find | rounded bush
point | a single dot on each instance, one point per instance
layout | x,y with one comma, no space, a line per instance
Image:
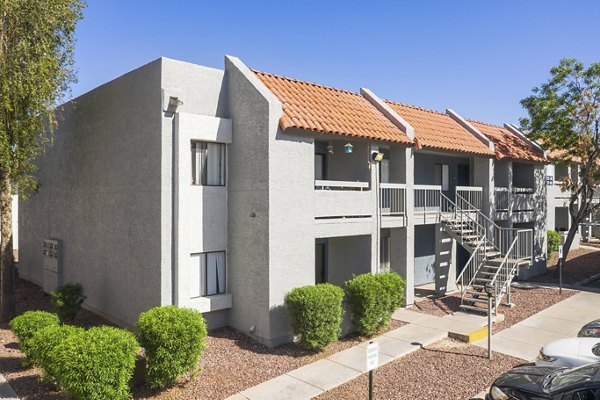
43,347
96,364
173,338
394,285
553,241
374,297
68,300
28,324
316,314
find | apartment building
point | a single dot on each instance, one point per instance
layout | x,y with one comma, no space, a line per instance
222,190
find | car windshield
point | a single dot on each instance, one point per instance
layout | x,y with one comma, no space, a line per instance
562,379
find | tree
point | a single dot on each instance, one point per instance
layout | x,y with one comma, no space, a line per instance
564,116
36,69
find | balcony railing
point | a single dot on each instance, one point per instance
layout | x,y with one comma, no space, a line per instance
341,185
339,199
472,194
427,198
501,198
523,199
392,201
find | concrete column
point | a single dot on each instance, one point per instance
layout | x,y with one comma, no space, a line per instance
540,205
483,175
511,198
376,225
403,239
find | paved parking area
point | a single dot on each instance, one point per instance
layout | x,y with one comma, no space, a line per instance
562,320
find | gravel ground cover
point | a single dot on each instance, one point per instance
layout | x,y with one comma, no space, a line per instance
527,302
580,264
231,362
447,370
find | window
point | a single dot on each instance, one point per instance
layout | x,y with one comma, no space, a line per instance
208,274
208,164
321,248
385,251
320,166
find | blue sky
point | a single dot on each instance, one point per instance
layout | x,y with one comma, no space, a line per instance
477,57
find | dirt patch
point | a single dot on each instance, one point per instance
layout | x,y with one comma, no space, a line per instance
527,302
448,370
231,362
580,264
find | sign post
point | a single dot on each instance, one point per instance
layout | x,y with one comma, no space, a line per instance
372,363
560,268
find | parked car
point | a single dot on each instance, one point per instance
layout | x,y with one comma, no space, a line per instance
536,383
591,329
572,352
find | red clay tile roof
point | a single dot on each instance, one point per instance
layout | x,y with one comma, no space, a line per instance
328,110
507,144
436,130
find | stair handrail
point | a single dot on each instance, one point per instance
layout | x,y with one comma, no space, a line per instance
513,231
468,267
443,197
500,286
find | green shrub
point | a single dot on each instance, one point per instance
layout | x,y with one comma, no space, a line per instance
96,364
373,299
28,324
68,300
43,347
316,313
553,241
394,285
173,338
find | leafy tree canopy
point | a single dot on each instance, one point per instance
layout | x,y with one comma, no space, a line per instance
36,69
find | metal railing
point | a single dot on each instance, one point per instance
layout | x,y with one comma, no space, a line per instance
341,185
501,198
427,198
473,265
473,194
504,274
523,190
392,200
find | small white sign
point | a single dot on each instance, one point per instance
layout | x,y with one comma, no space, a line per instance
372,356
560,251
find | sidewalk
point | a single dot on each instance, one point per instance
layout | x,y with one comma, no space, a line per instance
6,392
562,320
313,379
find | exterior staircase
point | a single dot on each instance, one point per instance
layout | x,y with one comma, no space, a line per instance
496,253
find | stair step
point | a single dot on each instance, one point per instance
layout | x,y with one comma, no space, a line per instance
476,300
482,280
473,308
487,273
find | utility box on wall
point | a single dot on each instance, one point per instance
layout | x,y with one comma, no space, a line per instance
52,256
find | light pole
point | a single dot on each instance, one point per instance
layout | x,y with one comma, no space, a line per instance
489,289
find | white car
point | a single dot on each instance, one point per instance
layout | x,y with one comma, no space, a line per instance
572,352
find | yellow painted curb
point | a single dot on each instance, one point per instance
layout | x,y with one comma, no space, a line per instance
477,335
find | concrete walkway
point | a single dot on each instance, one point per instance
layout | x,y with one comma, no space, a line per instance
6,392
313,379
562,320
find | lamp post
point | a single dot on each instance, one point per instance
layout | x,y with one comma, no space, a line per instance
489,290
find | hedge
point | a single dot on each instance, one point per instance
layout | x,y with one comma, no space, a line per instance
174,340
374,297
43,347
68,300
316,314
553,241
96,364
28,324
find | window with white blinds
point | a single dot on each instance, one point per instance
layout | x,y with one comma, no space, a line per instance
208,163
208,274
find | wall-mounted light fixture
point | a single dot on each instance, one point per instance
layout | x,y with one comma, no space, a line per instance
348,148
377,156
174,102
330,147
